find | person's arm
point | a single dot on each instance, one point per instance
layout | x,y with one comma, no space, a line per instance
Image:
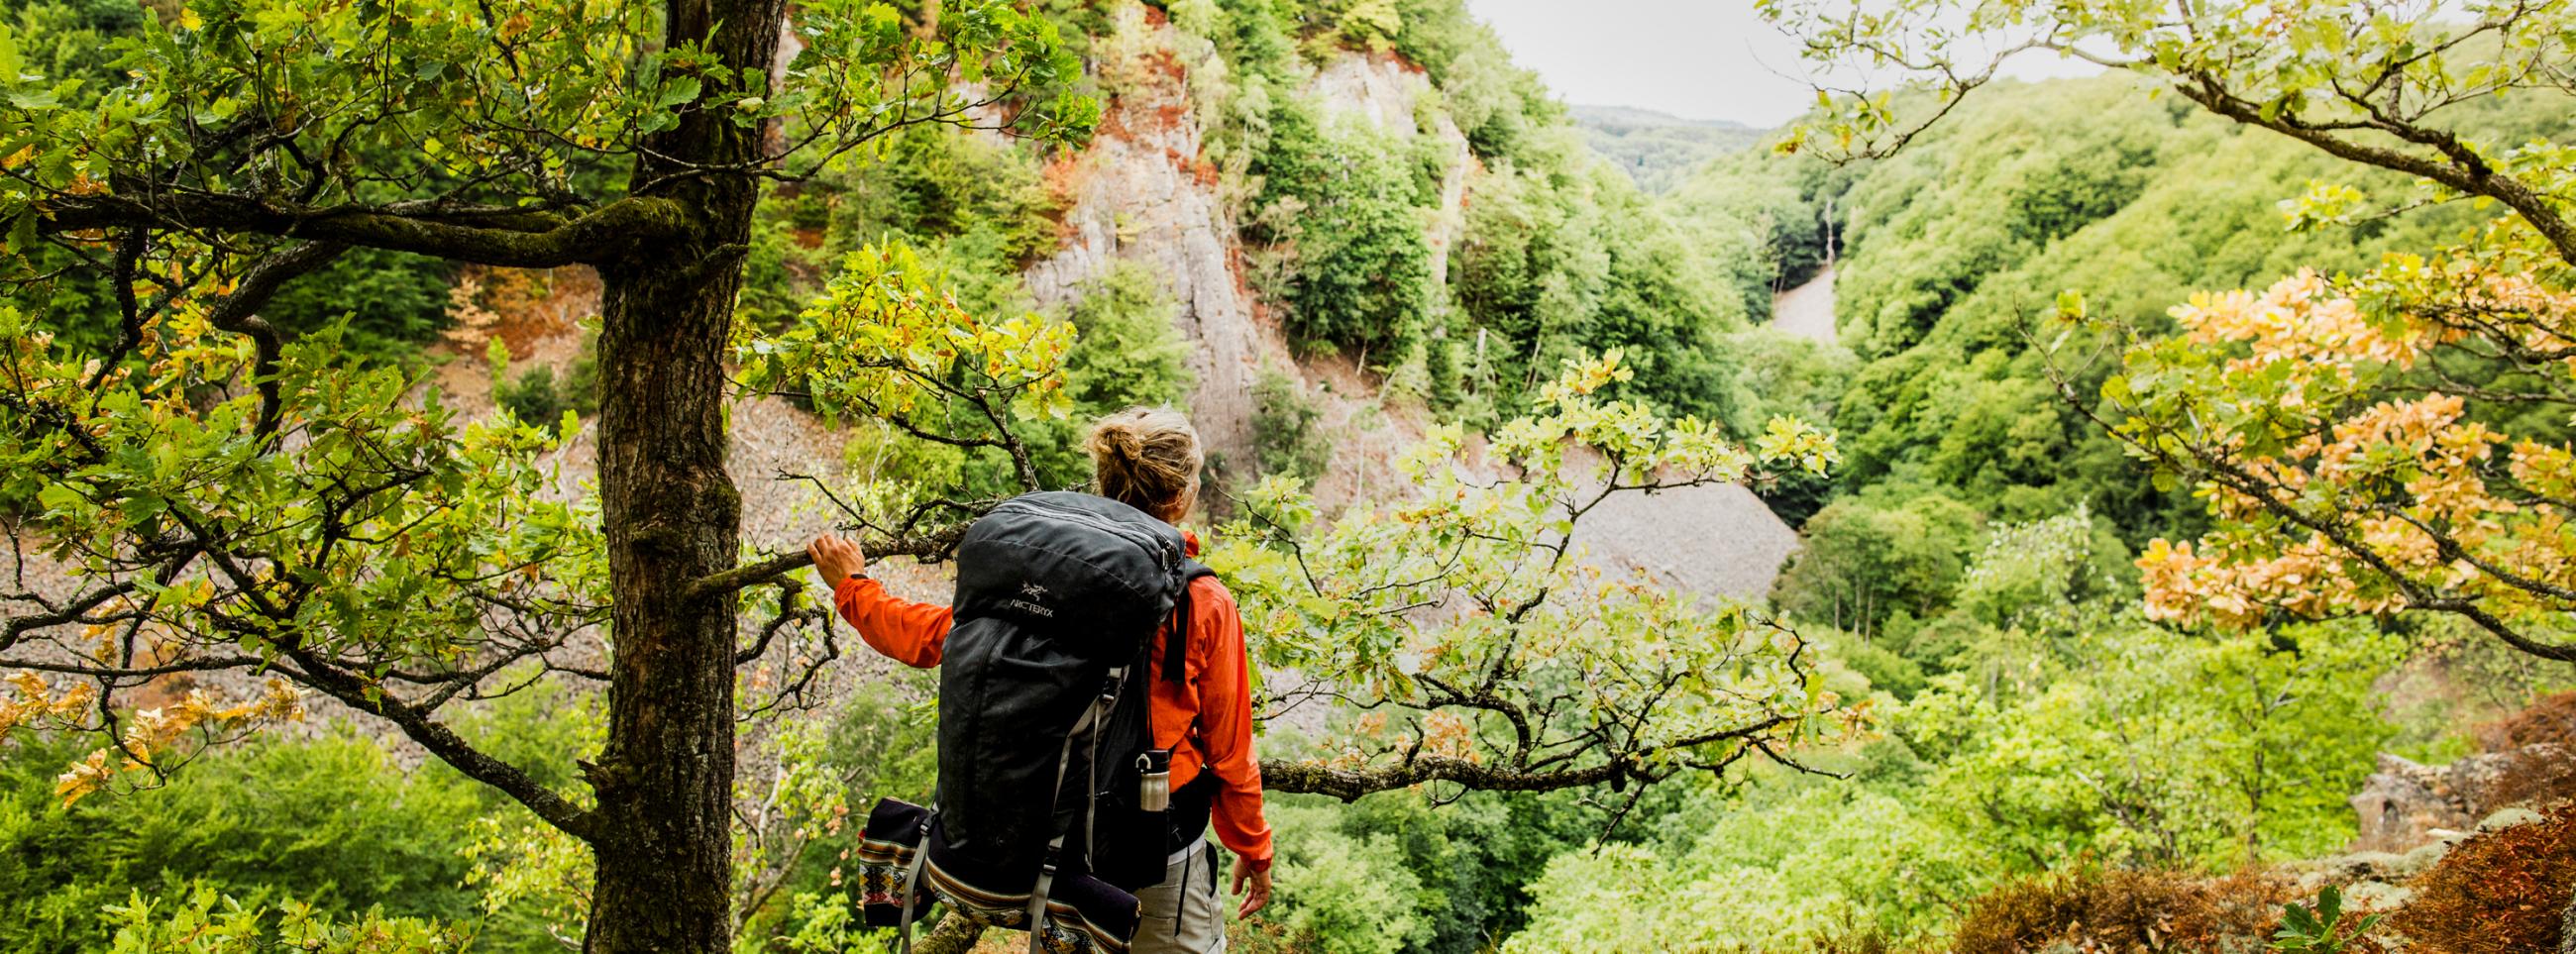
907,632
1225,723
1224,683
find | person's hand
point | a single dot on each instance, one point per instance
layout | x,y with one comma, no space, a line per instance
836,558
1252,881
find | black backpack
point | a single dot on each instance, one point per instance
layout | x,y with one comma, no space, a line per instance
1042,821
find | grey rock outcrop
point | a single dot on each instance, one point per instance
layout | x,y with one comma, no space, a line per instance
1716,541
2401,804
2406,804
1142,193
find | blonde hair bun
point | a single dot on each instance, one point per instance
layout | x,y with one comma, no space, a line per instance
1145,457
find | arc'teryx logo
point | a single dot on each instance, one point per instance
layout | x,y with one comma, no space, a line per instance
1029,593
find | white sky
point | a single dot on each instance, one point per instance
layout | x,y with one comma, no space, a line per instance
1702,59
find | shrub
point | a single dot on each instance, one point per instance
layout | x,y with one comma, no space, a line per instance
538,396
2549,719
1775,863
532,397
2092,908
2501,892
393,303
1127,352
1346,893
332,821
2534,776
1884,668
199,920
1284,429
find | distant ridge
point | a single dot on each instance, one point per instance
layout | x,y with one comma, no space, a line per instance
1658,149
1638,117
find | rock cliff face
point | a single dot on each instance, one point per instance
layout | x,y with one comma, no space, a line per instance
1714,541
1142,193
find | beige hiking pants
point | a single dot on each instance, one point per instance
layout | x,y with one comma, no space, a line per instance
1181,915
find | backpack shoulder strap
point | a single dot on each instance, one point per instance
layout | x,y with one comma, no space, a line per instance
1176,638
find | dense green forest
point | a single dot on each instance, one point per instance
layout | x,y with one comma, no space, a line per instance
2004,734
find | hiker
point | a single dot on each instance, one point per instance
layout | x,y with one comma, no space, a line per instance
1148,459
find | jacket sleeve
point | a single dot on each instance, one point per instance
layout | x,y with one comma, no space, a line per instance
907,632
1225,722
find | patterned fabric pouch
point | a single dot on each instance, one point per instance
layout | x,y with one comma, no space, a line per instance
1083,914
888,846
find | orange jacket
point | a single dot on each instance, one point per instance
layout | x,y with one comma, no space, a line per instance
1206,719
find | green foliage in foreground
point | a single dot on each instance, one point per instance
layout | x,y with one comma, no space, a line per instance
393,304
200,921
331,822
336,822
1126,353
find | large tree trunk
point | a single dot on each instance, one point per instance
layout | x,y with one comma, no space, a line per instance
662,836
663,839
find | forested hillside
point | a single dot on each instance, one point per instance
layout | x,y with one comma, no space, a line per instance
1976,542
409,464
1659,150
